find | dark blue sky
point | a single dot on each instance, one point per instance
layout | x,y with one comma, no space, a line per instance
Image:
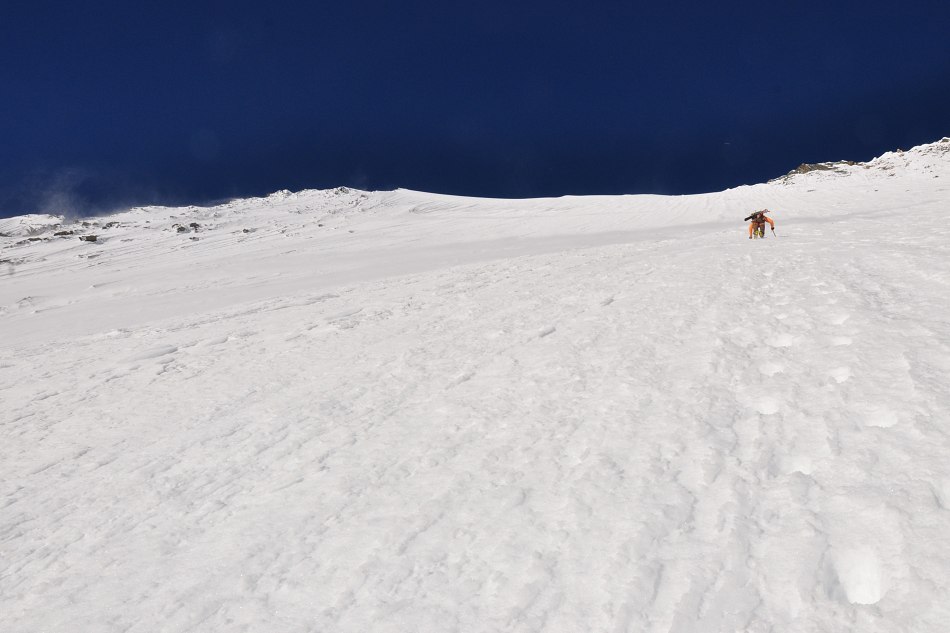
111,103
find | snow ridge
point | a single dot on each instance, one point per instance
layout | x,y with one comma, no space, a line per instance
927,160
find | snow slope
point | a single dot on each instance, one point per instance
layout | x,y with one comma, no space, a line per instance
398,411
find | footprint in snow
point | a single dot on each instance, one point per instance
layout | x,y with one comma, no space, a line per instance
766,405
941,492
879,416
788,464
782,340
770,369
838,319
860,574
840,374
461,378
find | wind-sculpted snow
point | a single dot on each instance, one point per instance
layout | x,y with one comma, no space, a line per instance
607,414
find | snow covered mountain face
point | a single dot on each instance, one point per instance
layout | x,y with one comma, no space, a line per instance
398,411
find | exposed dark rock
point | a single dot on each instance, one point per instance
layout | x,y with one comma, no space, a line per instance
63,233
89,238
804,168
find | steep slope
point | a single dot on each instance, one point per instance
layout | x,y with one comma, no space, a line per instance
580,414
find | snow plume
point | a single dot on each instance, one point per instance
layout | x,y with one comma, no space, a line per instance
64,194
75,192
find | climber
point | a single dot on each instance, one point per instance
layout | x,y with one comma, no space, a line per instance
757,223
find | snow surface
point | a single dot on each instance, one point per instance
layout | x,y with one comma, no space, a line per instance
398,411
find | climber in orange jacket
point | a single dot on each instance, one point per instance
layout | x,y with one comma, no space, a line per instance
757,224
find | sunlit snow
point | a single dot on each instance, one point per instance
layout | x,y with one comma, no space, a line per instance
398,411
